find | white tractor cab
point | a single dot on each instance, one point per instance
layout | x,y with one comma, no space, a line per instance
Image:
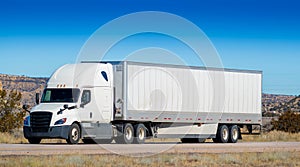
77,96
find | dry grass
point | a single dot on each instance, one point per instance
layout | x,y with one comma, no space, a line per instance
16,137
236,159
273,136
13,138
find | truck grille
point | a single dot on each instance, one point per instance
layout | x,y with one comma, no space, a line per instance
40,121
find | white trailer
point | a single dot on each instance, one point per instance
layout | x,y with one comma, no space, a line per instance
130,101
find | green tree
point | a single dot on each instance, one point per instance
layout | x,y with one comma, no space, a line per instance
11,114
288,122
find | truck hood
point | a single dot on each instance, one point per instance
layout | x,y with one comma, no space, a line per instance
51,107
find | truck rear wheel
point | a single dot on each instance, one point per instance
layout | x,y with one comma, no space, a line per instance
140,134
127,135
74,134
233,134
222,134
34,140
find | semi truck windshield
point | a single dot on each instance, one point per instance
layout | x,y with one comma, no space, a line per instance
60,96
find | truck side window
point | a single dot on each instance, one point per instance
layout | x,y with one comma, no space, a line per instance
86,97
104,75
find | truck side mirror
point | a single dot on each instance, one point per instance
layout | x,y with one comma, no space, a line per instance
37,98
82,105
66,106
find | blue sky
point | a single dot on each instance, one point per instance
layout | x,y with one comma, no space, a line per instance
36,37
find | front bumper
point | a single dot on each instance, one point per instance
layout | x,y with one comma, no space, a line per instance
52,132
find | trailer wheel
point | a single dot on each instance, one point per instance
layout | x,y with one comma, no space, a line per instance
127,136
140,134
74,134
222,134
233,134
34,140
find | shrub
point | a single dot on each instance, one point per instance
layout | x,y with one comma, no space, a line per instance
288,122
11,114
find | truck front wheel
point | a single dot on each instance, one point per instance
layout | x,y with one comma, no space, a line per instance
34,140
74,134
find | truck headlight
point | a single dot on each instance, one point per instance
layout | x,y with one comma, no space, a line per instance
27,121
60,121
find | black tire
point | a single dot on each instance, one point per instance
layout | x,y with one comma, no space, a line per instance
34,140
140,133
74,134
126,136
233,134
222,134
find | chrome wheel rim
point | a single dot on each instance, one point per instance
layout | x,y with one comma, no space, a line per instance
141,133
225,134
128,134
75,134
234,134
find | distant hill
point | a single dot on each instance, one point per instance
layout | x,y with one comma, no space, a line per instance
28,86
273,105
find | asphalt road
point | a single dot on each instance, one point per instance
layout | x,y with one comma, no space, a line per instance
147,149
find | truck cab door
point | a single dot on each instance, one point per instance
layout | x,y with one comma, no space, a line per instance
85,111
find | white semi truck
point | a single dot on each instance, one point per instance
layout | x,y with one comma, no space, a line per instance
131,101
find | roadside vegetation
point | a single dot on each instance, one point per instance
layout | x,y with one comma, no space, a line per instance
190,160
273,136
11,114
288,122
